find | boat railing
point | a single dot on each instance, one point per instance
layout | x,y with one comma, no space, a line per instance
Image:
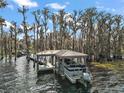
82,66
75,68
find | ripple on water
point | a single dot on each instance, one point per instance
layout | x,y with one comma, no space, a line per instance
42,87
22,77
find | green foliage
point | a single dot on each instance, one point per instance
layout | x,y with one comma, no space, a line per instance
3,3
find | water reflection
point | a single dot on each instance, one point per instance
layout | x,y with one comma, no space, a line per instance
21,77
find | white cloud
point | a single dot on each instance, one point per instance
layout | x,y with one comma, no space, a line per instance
68,18
20,36
56,6
113,10
49,31
28,3
110,10
67,3
21,26
119,11
101,6
8,24
10,7
50,21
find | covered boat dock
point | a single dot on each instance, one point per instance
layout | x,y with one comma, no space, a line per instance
63,62
56,55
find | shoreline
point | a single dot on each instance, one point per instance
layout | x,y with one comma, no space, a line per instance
108,76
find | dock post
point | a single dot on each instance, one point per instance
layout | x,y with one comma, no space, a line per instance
55,63
37,66
34,64
52,59
56,68
37,62
62,67
58,65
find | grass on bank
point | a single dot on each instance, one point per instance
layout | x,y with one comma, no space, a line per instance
114,66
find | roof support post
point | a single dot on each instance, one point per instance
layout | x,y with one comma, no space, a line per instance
62,66
37,62
52,59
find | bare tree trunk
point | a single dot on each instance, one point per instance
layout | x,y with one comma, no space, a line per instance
23,12
34,40
15,43
1,42
9,49
5,48
37,39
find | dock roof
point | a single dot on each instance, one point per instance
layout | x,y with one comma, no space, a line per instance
61,53
48,52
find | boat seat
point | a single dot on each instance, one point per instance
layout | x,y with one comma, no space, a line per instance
82,66
84,70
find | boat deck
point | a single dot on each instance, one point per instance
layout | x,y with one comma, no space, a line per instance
48,66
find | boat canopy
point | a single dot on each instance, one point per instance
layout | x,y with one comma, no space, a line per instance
70,54
62,53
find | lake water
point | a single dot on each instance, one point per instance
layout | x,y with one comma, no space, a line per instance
21,77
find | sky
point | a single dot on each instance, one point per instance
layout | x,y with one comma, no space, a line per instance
10,13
